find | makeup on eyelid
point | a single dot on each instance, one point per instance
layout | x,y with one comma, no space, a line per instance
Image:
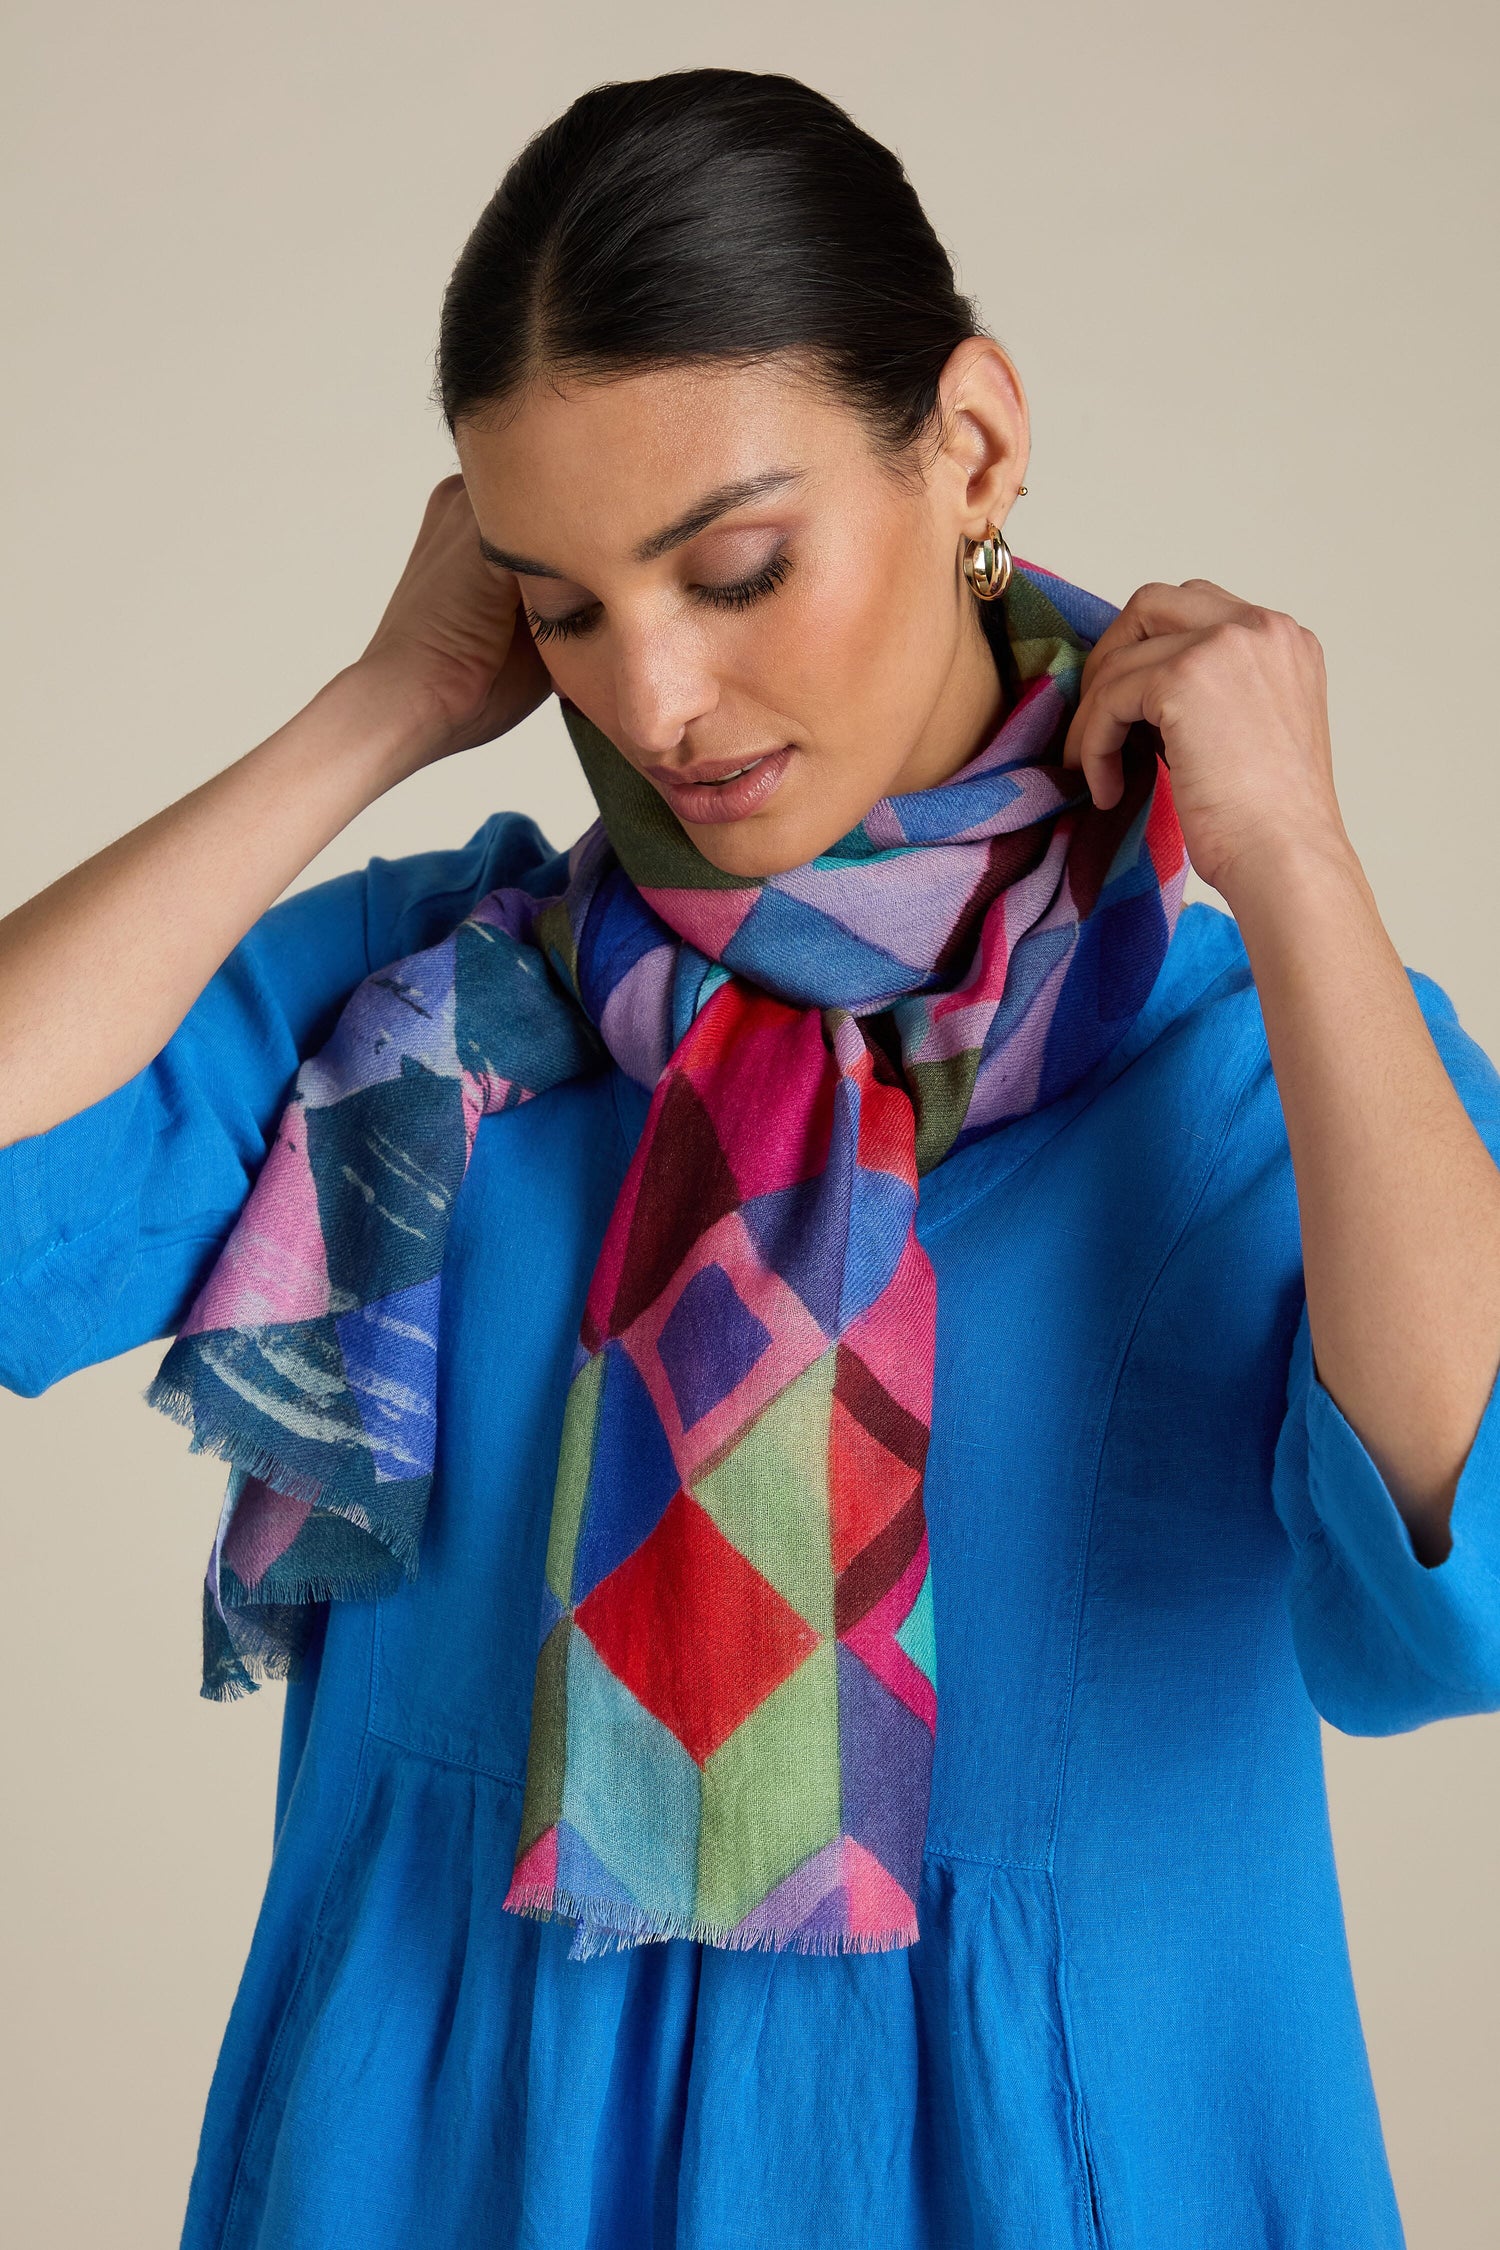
731,594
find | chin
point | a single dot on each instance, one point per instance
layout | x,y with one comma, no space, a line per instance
780,838
756,849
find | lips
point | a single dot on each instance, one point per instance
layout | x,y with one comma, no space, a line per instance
716,789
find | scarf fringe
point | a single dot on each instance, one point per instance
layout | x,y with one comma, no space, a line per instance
235,1678
367,1587
222,1442
241,1649
606,1926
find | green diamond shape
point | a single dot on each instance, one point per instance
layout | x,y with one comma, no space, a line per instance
769,1496
771,1792
575,1458
549,1727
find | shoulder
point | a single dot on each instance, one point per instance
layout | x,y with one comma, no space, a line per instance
1202,1038
390,908
1206,993
1200,1032
281,988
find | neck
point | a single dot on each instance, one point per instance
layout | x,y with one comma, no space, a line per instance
967,712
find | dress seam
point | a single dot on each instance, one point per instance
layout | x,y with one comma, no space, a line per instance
951,1853
33,1270
440,1758
57,1245
1082,2149
1078,2112
1085,1533
933,1850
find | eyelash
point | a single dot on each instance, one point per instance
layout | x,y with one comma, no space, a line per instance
738,596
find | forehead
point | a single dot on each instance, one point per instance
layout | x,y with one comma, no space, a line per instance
631,451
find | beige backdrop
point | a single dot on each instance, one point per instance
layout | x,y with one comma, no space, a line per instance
1243,257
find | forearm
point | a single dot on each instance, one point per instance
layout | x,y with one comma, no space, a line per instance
1399,1200
98,970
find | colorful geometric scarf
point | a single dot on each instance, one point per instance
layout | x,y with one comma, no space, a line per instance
736,1687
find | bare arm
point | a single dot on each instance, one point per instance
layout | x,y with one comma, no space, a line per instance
99,969
1397,1195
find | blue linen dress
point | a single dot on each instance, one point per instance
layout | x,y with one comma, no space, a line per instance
1159,1552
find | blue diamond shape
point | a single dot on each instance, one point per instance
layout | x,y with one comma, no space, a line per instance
709,1343
633,1474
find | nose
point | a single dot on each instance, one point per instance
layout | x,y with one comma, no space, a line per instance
662,686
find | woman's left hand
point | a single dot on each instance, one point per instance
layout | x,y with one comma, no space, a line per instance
1398,1197
1240,697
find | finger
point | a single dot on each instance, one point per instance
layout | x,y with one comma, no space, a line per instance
1125,689
1157,608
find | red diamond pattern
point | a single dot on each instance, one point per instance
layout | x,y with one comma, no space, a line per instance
693,1629
867,1485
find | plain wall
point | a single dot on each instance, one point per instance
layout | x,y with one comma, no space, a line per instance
1244,260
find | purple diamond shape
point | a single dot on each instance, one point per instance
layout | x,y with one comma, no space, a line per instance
709,1342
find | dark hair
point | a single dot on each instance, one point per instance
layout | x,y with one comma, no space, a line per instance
705,215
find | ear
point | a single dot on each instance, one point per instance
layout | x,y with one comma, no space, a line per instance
986,440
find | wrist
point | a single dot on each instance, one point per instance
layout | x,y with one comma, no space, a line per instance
1304,908
386,724
1272,869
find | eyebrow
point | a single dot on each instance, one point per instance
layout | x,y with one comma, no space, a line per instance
676,534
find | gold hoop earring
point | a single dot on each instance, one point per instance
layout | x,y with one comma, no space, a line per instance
987,564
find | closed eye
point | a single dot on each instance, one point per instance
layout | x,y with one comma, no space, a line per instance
740,595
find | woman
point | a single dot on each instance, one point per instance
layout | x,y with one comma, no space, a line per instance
767,1360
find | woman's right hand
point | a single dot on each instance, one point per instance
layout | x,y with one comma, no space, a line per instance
453,644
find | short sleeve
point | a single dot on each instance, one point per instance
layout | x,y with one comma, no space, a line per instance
110,1221
1384,1641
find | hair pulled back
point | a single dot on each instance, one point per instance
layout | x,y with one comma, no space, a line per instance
705,215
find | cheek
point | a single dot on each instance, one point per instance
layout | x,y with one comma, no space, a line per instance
573,672
838,646
868,649
583,673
